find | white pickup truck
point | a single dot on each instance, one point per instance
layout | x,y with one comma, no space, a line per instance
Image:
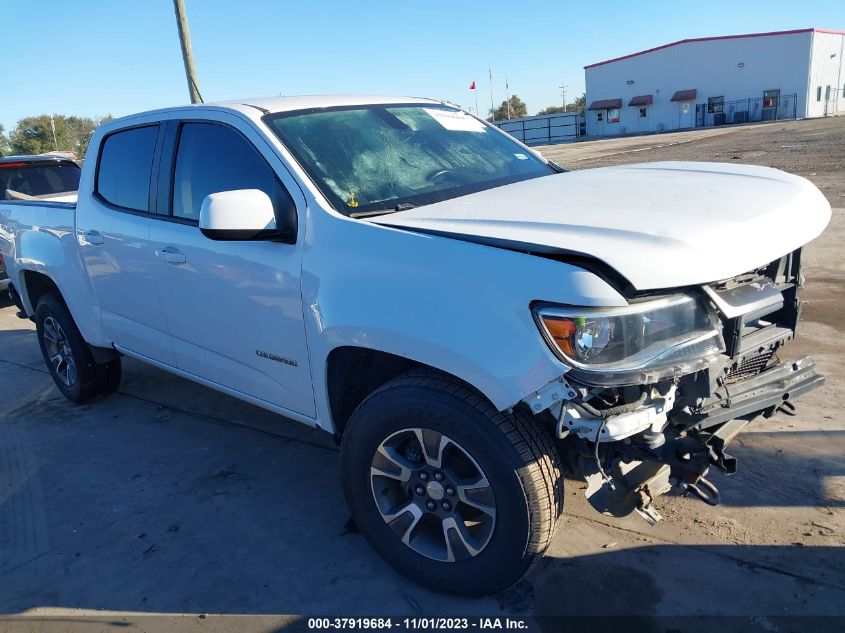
467,318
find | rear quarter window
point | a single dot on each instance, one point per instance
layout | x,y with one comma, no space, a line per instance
125,167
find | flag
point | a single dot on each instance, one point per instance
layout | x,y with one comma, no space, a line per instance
506,83
472,85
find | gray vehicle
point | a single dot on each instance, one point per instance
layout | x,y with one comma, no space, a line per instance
37,177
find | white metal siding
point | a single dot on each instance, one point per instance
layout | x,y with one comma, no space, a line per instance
826,70
769,62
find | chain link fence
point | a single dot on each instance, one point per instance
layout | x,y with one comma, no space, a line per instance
771,108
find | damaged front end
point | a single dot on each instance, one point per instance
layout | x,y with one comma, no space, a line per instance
658,390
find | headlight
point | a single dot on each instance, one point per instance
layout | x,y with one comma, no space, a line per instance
668,332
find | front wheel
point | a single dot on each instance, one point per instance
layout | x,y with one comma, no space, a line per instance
451,492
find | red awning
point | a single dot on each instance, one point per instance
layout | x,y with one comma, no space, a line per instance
685,95
642,100
606,104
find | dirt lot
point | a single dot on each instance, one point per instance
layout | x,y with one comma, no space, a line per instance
168,497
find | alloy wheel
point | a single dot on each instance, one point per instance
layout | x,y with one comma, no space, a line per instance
433,494
59,352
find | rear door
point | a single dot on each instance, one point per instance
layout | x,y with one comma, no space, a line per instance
113,231
234,309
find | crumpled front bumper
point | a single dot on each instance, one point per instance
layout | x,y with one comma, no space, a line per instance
696,441
764,393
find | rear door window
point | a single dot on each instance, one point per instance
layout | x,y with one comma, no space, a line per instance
125,167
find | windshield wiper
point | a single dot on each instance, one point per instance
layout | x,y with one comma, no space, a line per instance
405,206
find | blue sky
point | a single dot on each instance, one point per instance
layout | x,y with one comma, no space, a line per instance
94,57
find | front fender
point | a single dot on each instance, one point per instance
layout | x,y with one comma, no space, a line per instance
459,307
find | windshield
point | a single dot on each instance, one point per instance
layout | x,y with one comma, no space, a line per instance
378,158
23,180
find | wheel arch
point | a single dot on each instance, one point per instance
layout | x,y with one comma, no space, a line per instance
33,285
353,373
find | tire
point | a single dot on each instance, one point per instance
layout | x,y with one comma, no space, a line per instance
508,524
68,357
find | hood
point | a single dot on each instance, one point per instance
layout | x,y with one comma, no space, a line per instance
659,225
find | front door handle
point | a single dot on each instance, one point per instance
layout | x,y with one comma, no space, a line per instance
171,255
92,238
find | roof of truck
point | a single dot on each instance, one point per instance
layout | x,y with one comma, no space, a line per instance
307,102
257,107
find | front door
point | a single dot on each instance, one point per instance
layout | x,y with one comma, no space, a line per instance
234,309
113,232
685,115
771,102
642,113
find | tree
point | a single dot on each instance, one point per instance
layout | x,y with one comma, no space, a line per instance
81,129
517,109
579,106
4,142
34,135
553,110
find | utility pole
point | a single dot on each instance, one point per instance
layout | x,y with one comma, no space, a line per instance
563,95
53,126
187,51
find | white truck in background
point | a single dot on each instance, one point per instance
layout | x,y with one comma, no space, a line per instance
464,316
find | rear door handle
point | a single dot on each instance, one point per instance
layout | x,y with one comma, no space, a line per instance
92,238
171,255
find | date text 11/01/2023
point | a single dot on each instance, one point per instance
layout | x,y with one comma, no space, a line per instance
413,624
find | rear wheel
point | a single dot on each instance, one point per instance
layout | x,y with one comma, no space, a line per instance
451,492
68,357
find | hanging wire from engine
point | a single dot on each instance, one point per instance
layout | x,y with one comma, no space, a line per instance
606,479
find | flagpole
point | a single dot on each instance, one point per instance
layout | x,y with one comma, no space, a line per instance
492,107
475,90
507,98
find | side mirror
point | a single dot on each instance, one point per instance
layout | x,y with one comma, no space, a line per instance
239,215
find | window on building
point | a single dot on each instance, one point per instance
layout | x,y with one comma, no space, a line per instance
771,98
613,115
599,115
818,93
643,112
827,93
126,161
715,105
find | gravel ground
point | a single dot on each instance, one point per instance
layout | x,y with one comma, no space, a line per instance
813,148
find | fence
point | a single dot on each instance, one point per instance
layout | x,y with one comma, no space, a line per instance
834,102
544,129
746,110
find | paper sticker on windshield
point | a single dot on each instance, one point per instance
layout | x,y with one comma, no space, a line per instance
455,121
521,156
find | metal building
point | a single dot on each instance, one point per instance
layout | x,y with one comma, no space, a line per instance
718,80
